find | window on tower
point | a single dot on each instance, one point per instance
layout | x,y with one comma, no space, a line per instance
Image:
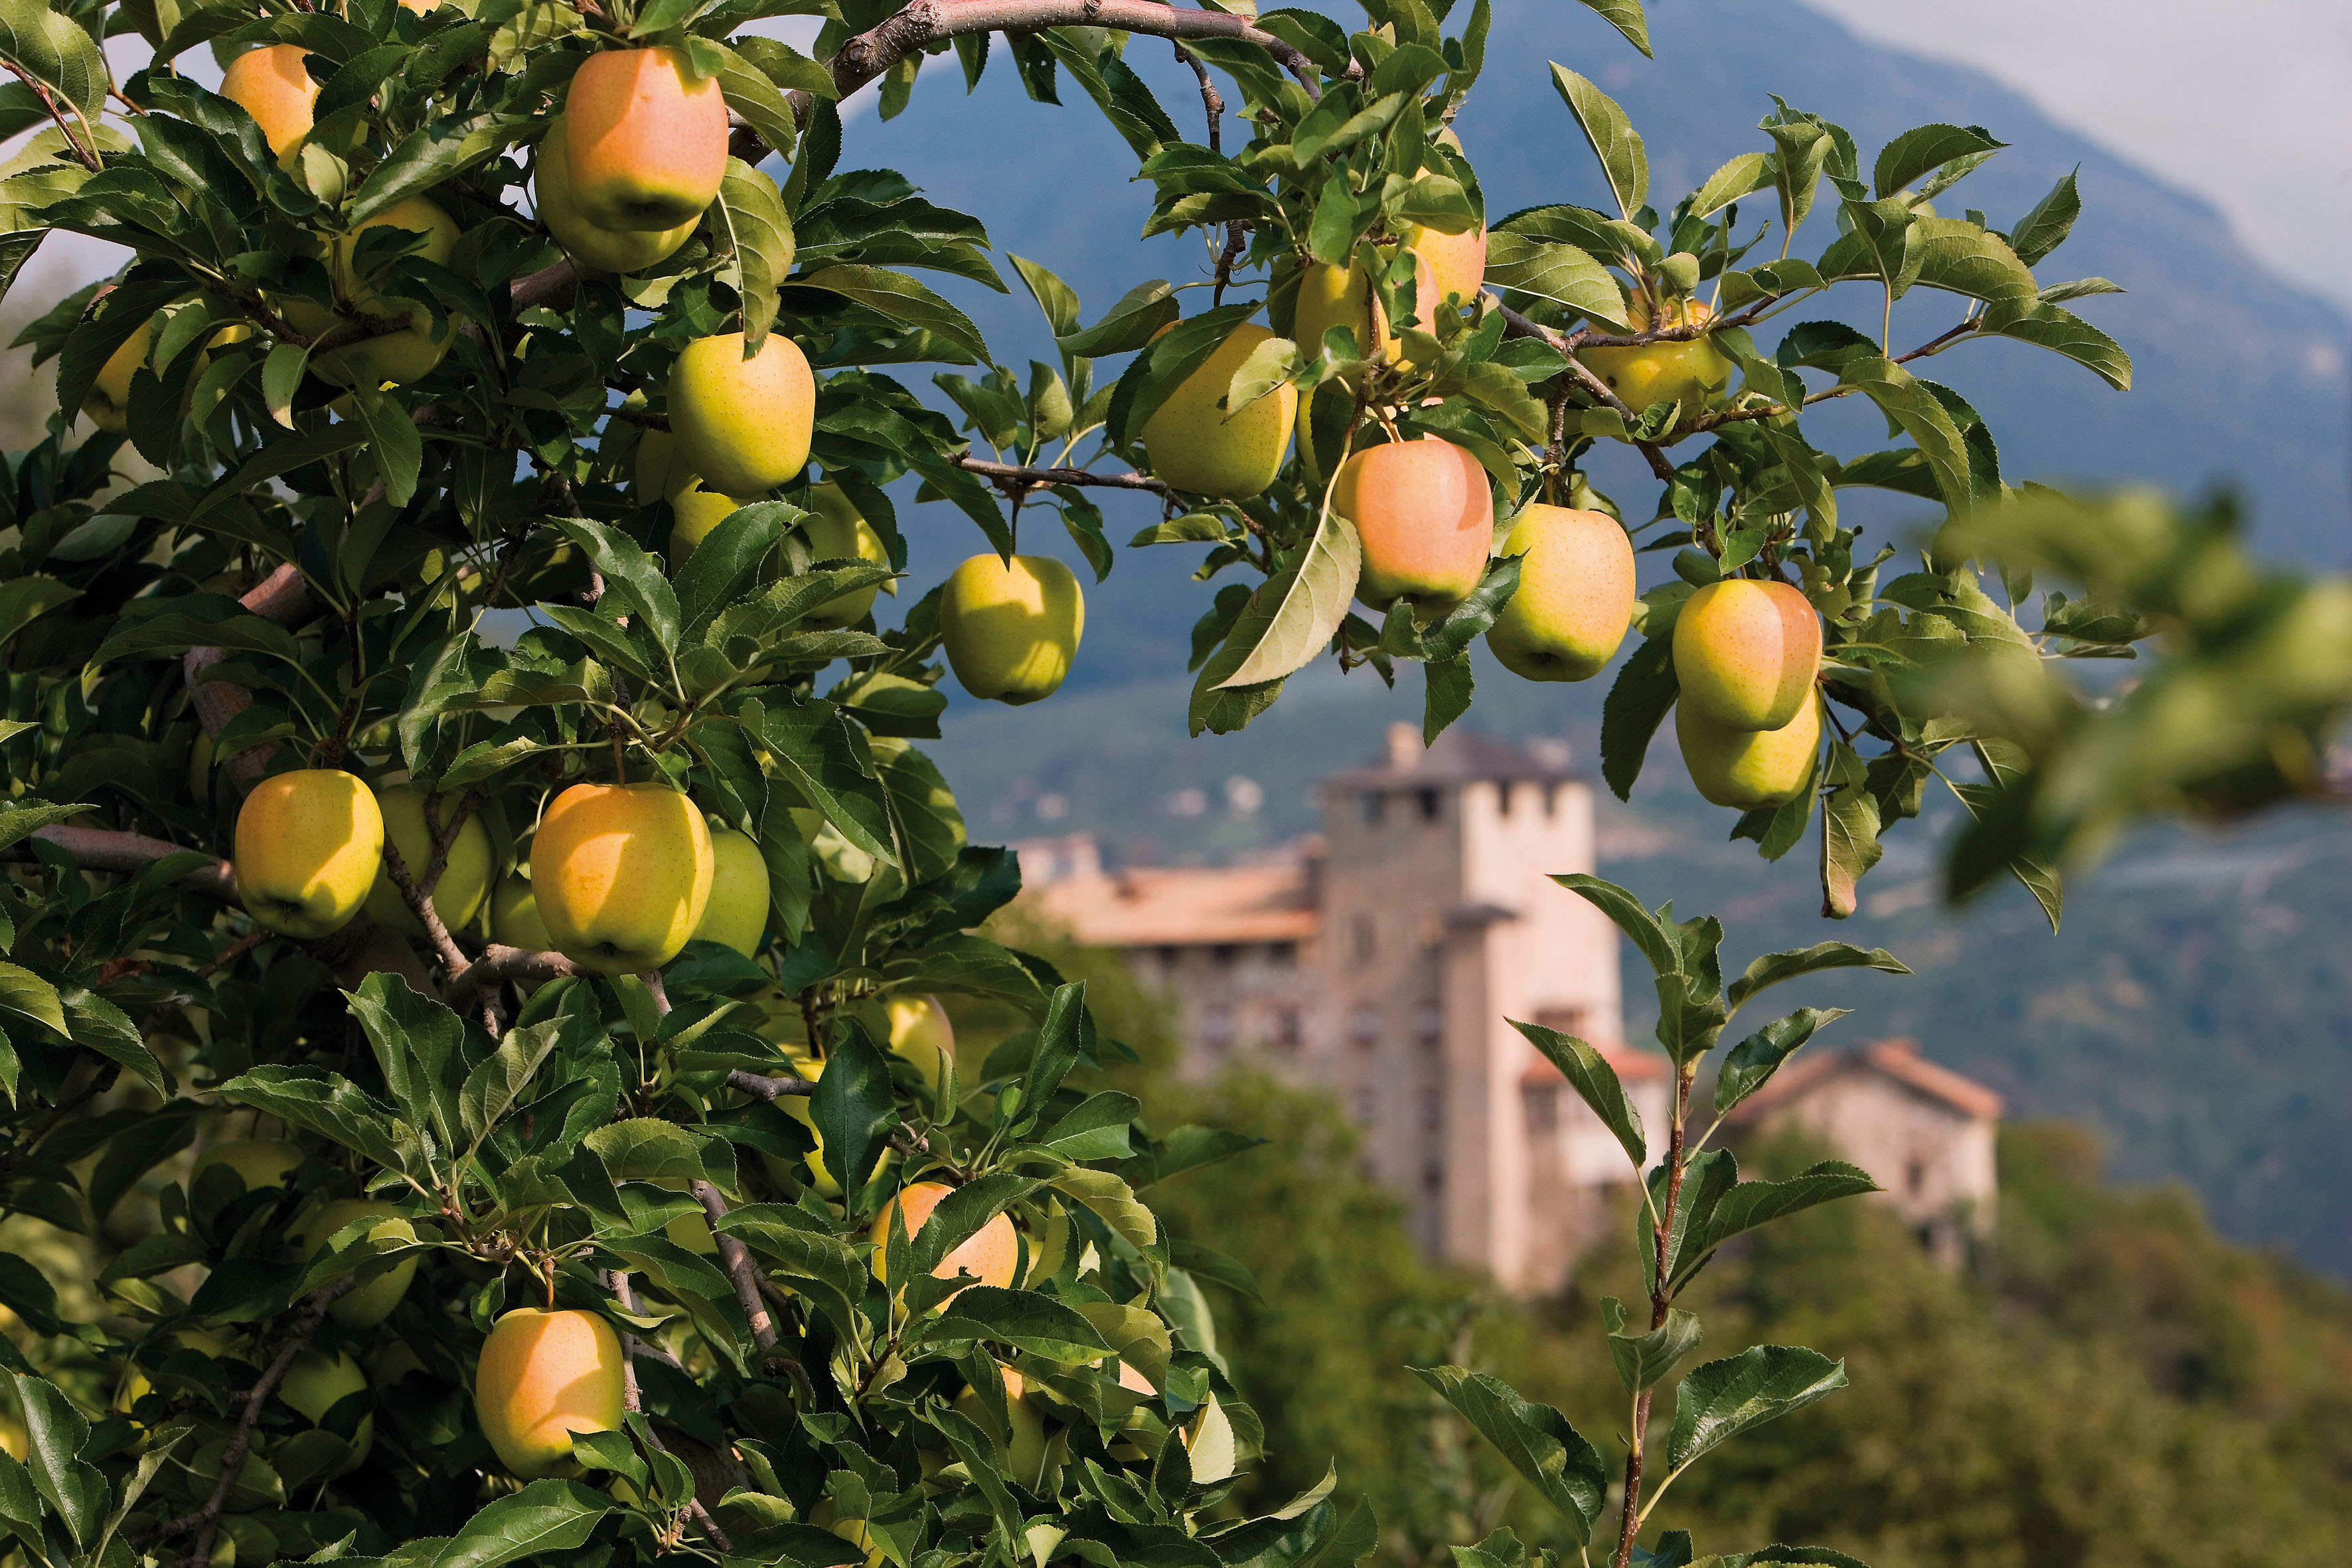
1289,1030
1364,938
1542,1103
1371,807
1430,803
1364,1025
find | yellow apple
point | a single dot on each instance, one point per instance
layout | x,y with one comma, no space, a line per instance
309,846
457,896
542,1376
650,464
837,531
372,1303
1575,596
1745,653
109,401
607,249
694,513
1424,513
1695,375
795,1106
1457,265
1011,631
736,913
1195,443
270,84
920,1032
514,916
645,140
621,874
742,425
1747,769
1332,296
316,1384
990,1256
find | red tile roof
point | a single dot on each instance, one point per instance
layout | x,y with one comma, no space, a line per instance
1897,1059
1181,907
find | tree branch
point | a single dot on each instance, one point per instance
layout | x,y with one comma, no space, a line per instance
768,1088
871,53
106,849
617,1280
741,1270
283,597
497,964
1518,326
1012,478
453,957
206,1520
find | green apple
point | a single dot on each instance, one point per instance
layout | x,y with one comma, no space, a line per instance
316,1384
372,1303
1199,446
259,1163
1692,374
837,531
514,916
736,914
465,881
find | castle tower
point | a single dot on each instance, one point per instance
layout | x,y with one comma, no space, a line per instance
1440,922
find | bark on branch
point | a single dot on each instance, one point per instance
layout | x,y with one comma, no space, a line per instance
871,53
1013,477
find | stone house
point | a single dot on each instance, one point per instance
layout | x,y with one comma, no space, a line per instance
1924,1132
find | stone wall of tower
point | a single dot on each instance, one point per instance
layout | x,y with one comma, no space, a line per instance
1440,925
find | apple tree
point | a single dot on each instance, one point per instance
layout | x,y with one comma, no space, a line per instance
473,886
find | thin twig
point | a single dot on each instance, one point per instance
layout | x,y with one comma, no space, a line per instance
452,958
632,1401
106,849
497,964
768,1088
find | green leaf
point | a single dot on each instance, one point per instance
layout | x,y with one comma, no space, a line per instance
1165,363
27,996
903,299
1725,1207
1921,417
2045,228
1747,172
53,48
1754,1061
54,1433
1850,845
25,599
646,1148
545,1516
1637,703
1772,968
173,632
1055,299
1553,270
1803,145
751,92
761,233
328,1104
1965,258
1926,148
1612,137
1022,1319
1649,934
853,1108
1625,15
432,153
1112,1201
1305,607
1535,1439
1643,1360
1595,1083
98,1025
2047,326
1724,1399
631,573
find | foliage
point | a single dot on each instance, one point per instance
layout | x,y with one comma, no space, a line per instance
450,573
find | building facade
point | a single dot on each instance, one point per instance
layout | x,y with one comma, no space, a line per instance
1926,1134
1384,962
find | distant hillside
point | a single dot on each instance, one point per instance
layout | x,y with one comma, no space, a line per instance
2232,382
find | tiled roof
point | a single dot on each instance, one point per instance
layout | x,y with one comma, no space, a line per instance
1181,907
1897,1059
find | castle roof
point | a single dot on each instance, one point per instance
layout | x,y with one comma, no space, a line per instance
1897,1060
1182,906
1458,756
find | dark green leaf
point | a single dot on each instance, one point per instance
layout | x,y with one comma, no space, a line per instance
1724,1399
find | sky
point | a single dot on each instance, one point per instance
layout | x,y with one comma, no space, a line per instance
2247,102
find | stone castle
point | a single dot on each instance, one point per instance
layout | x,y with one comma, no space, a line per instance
1383,959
